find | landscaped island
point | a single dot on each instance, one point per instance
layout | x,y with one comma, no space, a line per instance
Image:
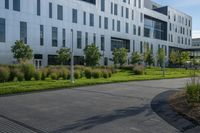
56,77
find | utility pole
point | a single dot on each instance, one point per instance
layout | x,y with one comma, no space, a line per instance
72,57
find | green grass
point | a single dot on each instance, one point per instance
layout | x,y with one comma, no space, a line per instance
121,76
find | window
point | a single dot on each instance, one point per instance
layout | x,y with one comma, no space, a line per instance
7,4
141,17
2,30
134,29
113,24
63,37
38,7
118,26
60,12
79,39
91,19
127,27
111,8
133,15
135,3
115,9
139,31
74,16
122,11
94,38
139,4
141,47
133,45
99,21
105,23
41,35
84,18
50,10
16,5
127,13
54,36
23,32
102,5
86,38
102,42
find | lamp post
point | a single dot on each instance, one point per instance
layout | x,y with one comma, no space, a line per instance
72,57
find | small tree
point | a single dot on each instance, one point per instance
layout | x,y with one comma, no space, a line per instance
92,55
63,55
136,58
173,57
185,56
161,57
120,56
150,58
21,51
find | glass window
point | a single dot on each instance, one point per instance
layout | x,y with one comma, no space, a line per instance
111,8
7,4
99,21
94,38
23,32
134,29
63,37
91,19
141,47
41,35
120,43
79,39
86,38
127,27
127,13
102,5
133,45
74,16
84,18
113,24
106,23
102,42
38,7
115,9
54,36
16,5
50,10
122,11
60,12
118,26
2,30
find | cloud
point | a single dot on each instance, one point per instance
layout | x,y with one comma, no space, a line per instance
196,34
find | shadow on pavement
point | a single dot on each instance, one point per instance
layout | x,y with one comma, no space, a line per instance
97,120
160,105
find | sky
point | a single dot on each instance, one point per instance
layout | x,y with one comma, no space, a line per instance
190,7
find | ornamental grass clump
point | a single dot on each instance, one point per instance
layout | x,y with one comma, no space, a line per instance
4,74
193,90
138,69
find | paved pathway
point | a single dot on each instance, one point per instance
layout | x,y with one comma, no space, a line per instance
133,107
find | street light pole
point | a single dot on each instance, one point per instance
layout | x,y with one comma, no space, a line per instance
72,57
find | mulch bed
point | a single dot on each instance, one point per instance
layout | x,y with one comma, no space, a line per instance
179,103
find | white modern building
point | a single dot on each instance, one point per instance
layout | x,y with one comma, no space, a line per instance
48,25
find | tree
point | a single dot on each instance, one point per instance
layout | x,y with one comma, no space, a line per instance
150,58
21,51
173,57
120,56
63,55
184,57
161,57
136,58
92,55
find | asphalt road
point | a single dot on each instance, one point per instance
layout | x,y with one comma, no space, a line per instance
133,107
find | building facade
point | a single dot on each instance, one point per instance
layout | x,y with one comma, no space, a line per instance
48,25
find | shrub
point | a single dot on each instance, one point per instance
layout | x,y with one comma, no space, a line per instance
65,73
14,69
44,74
96,74
109,74
5,73
28,70
105,74
54,76
37,75
127,67
88,73
77,74
193,91
20,76
138,69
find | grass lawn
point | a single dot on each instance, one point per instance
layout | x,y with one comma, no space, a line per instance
121,76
